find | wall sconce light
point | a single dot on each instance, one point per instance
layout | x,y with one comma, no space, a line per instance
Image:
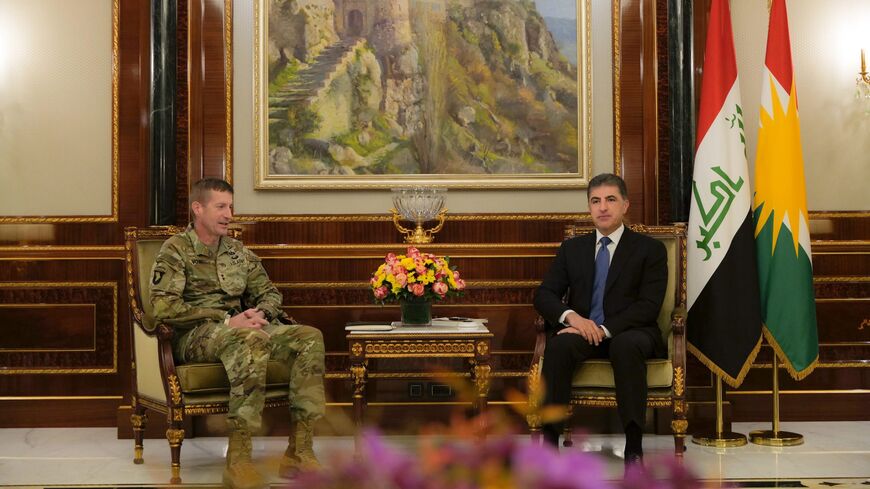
863,85
418,205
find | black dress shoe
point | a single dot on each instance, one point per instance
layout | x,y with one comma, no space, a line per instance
551,435
633,463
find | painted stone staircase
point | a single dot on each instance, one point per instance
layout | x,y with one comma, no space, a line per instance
311,82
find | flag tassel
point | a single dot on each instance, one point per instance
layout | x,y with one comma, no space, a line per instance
775,437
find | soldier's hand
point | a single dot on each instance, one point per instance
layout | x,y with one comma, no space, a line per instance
255,313
586,328
248,319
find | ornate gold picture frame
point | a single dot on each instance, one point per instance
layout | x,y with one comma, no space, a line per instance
366,94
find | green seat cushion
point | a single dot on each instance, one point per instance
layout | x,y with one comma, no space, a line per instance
203,378
599,373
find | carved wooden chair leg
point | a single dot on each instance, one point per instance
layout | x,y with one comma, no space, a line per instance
175,436
679,426
534,422
569,428
139,419
536,395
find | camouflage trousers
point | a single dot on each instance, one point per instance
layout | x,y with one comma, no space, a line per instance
244,352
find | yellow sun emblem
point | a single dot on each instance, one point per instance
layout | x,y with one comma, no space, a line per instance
779,168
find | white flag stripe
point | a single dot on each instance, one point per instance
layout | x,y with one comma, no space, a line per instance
767,97
723,148
804,234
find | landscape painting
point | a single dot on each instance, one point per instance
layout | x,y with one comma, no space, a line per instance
384,93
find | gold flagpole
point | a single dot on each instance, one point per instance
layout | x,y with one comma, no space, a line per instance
719,438
775,437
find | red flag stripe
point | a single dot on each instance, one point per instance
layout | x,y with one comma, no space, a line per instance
720,67
778,60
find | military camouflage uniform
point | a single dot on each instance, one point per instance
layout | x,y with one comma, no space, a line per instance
195,290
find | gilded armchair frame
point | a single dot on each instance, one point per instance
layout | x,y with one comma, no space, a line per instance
156,382
672,319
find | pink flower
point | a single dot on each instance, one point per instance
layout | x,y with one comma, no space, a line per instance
455,275
421,269
374,281
391,258
401,279
417,289
439,288
413,252
460,284
381,292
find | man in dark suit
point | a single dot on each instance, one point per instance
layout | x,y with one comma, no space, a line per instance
615,281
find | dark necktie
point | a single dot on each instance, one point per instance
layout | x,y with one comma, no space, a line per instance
602,263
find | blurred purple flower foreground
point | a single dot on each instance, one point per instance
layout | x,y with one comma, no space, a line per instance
497,462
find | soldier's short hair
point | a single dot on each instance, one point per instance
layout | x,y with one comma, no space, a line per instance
199,191
611,180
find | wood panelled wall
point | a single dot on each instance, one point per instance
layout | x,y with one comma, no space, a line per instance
64,325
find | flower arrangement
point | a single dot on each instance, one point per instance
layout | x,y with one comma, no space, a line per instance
501,462
415,276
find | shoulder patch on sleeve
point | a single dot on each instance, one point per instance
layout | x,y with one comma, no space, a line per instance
159,272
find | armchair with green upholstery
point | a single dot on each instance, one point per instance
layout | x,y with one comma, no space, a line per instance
161,385
593,384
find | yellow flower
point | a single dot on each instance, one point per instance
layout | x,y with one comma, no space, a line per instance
429,277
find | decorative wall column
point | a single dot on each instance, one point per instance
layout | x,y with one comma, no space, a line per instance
162,165
682,110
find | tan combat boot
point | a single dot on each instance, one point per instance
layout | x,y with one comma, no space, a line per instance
240,472
299,456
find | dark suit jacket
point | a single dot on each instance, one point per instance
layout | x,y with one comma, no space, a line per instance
636,284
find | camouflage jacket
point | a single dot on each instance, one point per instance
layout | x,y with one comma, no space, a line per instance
191,285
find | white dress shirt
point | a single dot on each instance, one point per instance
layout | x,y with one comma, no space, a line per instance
615,236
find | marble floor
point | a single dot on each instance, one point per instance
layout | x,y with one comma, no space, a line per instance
835,453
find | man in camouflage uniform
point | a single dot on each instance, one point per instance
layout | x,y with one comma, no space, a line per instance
218,297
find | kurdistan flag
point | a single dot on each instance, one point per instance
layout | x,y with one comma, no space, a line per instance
782,238
724,317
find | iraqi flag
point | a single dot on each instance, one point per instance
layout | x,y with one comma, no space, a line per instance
785,269
724,319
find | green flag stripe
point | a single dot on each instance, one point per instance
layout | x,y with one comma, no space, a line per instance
788,305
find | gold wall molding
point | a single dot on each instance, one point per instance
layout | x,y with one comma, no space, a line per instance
841,279
799,392
52,248
115,49
492,353
228,89
845,364
499,305
380,256
586,82
838,214
616,30
59,398
78,285
839,242
504,284
243,218
368,247
842,299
